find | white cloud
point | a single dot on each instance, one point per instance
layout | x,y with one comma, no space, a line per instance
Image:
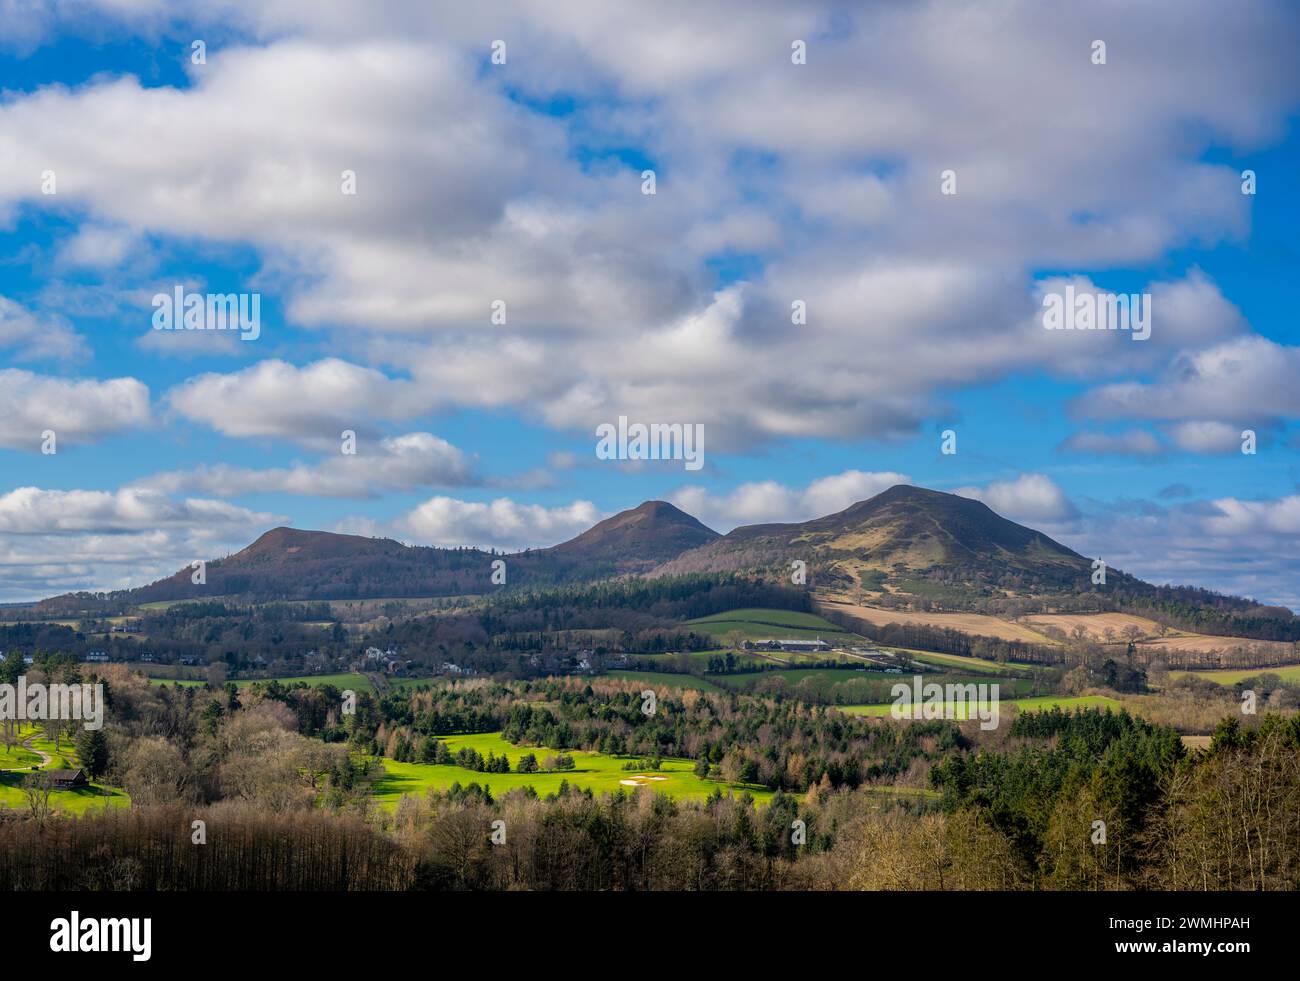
273,398
1229,544
397,463
465,195
97,247
54,541
766,501
29,337
502,523
77,410
1206,437
1030,498
1250,378
1132,442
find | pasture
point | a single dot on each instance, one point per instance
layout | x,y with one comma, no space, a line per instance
1289,673
768,624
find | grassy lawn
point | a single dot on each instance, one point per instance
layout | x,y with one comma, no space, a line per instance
1023,704
77,801
1230,676
17,762
600,774
66,755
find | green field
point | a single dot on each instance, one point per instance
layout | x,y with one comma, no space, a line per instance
1230,676
18,762
77,801
976,664
356,682
850,686
1023,704
664,678
600,774
700,659
766,624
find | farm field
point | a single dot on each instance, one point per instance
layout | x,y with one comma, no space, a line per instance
356,682
963,663
700,659
1177,640
851,687
674,681
1095,623
769,624
1023,704
1205,642
593,771
970,623
1231,676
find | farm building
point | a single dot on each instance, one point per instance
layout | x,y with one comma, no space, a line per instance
793,644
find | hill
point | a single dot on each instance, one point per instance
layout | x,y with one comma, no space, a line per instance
288,563
900,532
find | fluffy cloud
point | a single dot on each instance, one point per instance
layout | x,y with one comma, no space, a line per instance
1250,378
502,523
54,541
273,398
466,195
761,502
77,410
1032,498
398,463
28,337
1206,437
1233,545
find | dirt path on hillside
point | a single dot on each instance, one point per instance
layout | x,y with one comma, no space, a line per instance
46,758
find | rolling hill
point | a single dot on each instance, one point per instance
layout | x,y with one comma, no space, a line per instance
907,552
289,563
903,530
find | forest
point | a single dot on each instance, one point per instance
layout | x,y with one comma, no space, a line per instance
280,778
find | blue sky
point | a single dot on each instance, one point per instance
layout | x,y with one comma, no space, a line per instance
522,182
